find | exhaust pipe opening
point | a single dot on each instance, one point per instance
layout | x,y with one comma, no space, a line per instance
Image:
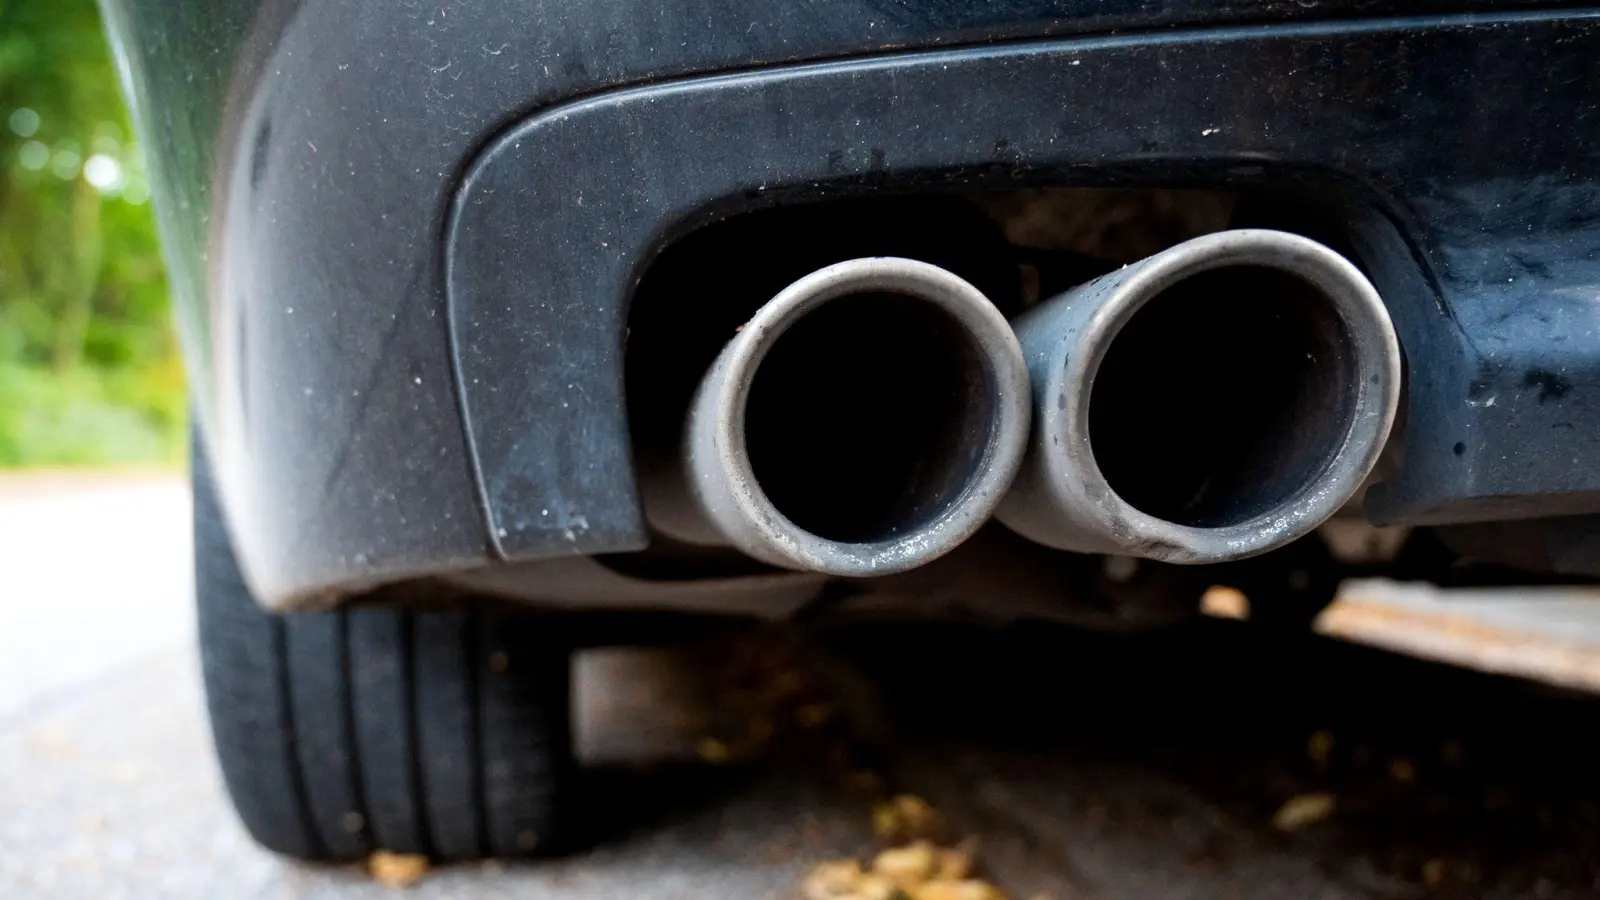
865,421
1209,403
868,417
1223,397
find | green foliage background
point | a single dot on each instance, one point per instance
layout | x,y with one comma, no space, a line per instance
89,369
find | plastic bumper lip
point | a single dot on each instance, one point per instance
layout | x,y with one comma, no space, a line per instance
1399,143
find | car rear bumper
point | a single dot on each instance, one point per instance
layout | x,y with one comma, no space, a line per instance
406,240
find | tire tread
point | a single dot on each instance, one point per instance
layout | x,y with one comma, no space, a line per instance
345,732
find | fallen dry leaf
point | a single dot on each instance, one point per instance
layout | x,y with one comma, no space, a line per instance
1302,810
1225,603
956,863
868,783
969,889
907,866
1402,770
906,817
1320,748
813,715
1433,872
877,887
713,751
833,880
397,870
918,870
846,880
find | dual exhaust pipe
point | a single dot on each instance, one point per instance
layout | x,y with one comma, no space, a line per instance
1209,403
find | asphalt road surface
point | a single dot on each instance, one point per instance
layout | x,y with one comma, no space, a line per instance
1089,766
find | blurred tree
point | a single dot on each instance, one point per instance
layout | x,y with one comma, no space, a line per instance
89,370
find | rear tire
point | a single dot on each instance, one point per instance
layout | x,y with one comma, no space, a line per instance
341,733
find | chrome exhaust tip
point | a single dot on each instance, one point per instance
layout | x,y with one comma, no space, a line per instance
1211,402
866,420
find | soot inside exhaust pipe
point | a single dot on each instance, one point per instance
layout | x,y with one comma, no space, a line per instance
869,416
1199,411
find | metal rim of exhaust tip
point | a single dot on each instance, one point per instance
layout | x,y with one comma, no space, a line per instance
1375,348
992,337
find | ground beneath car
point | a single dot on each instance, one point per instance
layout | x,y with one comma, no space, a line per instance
1217,761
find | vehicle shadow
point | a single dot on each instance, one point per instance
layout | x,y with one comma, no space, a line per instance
1216,759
